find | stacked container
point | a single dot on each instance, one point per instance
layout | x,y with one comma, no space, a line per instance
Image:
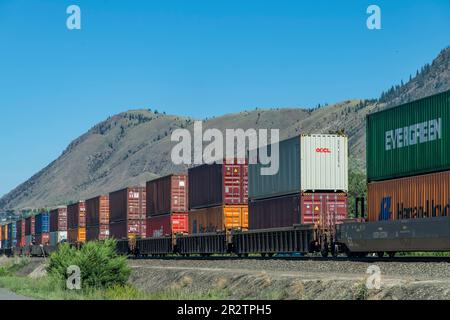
310,186
127,213
97,218
76,222
1,236
5,236
42,228
408,160
20,227
12,235
30,230
167,206
58,225
218,197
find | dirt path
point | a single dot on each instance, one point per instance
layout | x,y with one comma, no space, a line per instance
8,295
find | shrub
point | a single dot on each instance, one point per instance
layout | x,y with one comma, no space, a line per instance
99,263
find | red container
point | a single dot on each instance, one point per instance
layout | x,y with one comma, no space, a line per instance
43,238
127,204
324,209
76,215
29,226
218,184
20,235
167,195
167,225
97,218
58,219
127,229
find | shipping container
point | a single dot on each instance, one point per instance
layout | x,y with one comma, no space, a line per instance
126,204
76,215
221,218
20,227
12,234
307,163
42,238
322,209
408,140
97,218
127,229
76,235
167,195
421,196
57,237
1,232
28,240
58,219
30,226
42,223
218,184
167,225
5,232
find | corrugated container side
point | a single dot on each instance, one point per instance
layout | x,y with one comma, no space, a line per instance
76,235
42,223
76,215
324,163
409,140
57,237
12,234
127,229
58,219
221,218
421,196
43,238
167,195
218,184
97,211
98,232
30,226
167,225
324,209
129,203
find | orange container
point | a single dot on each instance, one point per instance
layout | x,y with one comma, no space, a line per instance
219,218
421,196
76,235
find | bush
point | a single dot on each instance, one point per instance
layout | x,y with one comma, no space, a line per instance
99,263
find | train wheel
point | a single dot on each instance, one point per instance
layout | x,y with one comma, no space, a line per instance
380,254
263,255
271,255
391,254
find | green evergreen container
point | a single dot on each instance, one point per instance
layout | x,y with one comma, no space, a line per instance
410,139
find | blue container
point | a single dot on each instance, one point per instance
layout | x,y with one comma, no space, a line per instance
42,223
5,244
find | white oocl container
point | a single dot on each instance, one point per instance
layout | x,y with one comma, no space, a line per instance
307,163
57,237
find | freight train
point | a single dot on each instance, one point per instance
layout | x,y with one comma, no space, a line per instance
230,208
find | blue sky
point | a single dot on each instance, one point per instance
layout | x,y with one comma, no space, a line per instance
197,58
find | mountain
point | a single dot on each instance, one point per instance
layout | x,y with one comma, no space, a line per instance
135,146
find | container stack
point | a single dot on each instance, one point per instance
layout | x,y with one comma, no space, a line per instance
167,206
97,218
1,236
76,222
12,235
30,230
58,225
310,186
408,160
127,213
218,197
42,226
20,227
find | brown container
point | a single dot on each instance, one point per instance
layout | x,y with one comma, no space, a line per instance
409,198
221,218
43,238
58,219
30,226
97,218
76,215
127,204
127,229
324,209
218,184
167,195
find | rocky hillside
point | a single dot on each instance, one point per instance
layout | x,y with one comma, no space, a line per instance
133,147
